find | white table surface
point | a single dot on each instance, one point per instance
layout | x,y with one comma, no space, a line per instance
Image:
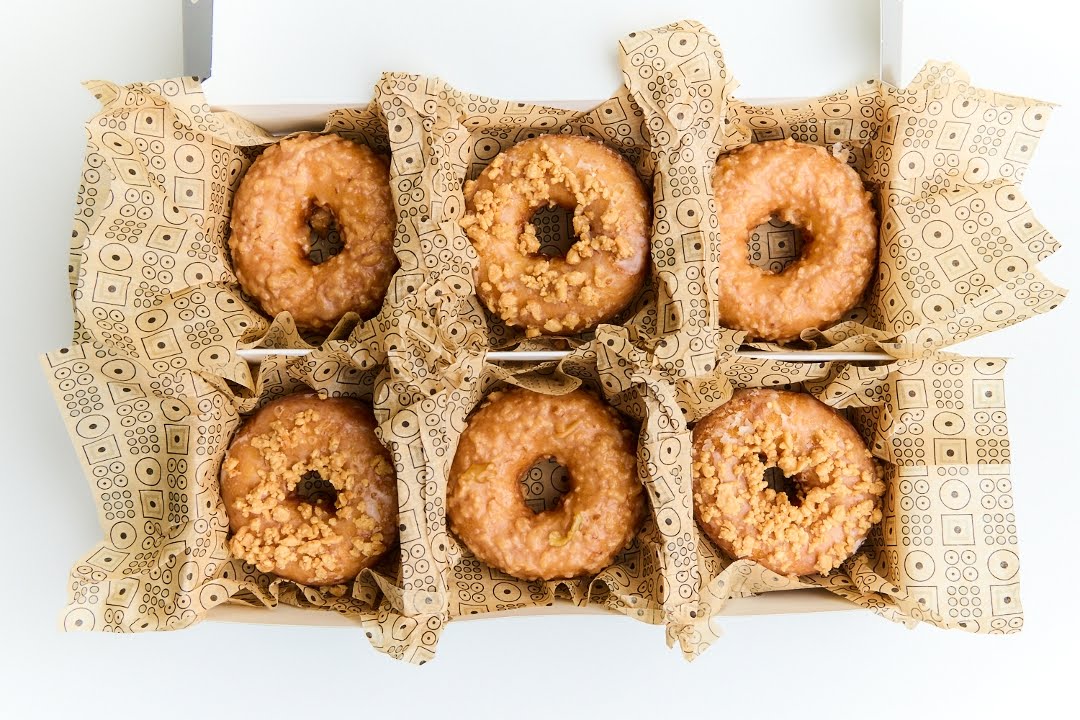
834,665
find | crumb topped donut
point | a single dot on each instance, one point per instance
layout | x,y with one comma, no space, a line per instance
314,541
604,269
837,484
596,519
806,186
314,182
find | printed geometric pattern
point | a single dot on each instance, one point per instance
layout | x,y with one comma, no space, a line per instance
152,387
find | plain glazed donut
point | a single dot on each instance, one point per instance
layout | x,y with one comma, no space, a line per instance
596,519
604,269
806,186
303,183
313,541
837,485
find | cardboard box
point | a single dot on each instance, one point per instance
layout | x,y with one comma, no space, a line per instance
283,117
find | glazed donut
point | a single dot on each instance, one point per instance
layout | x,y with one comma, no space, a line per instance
837,485
596,519
604,269
806,186
314,541
309,182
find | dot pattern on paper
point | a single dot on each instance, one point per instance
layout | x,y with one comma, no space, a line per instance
149,265
152,387
151,446
442,137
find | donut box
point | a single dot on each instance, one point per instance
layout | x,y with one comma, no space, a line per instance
169,354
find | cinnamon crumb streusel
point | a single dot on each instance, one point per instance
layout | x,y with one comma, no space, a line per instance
838,484
310,541
602,270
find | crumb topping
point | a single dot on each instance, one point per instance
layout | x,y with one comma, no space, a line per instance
534,179
279,532
838,485
605,264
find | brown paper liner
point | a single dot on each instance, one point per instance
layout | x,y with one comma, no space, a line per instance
945,552
437,336
958,243
149,269
441,577
151,446
938,424
441,137
665,366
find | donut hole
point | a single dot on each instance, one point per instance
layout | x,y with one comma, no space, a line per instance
775,244
555,230
315,490
544,484
776,480
324,235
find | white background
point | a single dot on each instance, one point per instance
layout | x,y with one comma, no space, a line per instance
834,665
